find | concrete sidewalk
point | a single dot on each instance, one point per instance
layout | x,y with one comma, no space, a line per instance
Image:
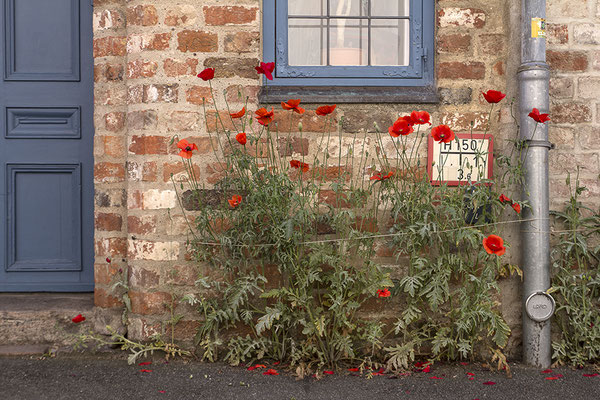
100,377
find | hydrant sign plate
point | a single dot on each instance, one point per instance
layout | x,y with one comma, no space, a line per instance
465,160
540,306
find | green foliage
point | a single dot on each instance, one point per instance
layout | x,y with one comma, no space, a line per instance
295,272
576,281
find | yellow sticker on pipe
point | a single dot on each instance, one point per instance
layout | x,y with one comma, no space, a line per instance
538,28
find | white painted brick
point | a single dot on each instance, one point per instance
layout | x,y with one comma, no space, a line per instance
155,251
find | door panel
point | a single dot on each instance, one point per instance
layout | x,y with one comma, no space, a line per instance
46,139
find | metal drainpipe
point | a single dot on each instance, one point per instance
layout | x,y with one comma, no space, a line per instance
534,78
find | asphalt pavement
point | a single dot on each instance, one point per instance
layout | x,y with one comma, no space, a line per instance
91,377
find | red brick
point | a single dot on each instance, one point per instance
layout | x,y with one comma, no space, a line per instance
570,113
242,42
105,273
197,41
231,67
182,275
108,72
148,145
142,15
108,19
159,41
294,145
178,171
198,95
106,172
464,17
142,120
143,278
557,33
492,44
333,199
105,300
239,93
108,222
213,122
179,121
143,225
454,43
215,172
111,247
186,330
461,70
110,96
330,174
149,303
145,172
499,68
181,15
160,93
567,61
228,15
114,121
110,46
177,68
141,69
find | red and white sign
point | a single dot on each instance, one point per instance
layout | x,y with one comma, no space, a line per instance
464,161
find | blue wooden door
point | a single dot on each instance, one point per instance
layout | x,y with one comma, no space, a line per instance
46,139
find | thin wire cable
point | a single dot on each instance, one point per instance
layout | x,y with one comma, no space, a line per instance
402,233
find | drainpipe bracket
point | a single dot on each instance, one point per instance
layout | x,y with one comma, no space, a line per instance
540,143
533,66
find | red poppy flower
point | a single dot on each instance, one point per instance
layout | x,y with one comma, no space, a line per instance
267,69
325,110
420,117
78,318
293,105
400,127
270,371
517,208
207,74
537,117
108,260
489,383
493,96
239,114
328,372
186,148
298,164
145,370
504,199
145,363
235,200
241,138
264,117
383,293
378,177
494,244
442,134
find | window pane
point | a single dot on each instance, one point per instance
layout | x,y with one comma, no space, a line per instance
306,41
349,39
389,42
307,7
389,8
346,8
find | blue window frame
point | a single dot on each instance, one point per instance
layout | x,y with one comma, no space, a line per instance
408,79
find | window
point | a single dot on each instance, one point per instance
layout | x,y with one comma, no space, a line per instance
350,50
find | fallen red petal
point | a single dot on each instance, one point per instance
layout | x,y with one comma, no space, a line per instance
162,391
547,371
270,372
551,378
470,374
435,377
471,378
276,362
145,363
353,369
489,383
464,363
427,369
590,375
328,372
145,370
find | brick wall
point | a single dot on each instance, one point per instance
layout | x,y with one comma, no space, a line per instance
147,55
574,57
